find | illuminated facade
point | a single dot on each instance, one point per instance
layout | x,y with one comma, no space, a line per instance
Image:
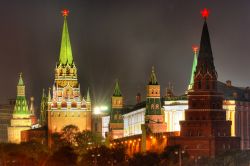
116,120
174,112
21,115
133,121
67,106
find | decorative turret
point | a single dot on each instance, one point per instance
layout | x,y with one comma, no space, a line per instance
43,109
32,108
195,51
21,106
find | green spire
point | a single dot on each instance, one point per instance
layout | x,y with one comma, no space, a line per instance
21,106
43,109
20,82
153,79
65,52
195,49
88,96
117,91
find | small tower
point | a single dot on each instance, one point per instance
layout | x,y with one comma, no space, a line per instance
43,110
116,120
32,111
154,118
21,116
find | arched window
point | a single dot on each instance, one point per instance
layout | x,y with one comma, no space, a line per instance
152,106
199,84
207,83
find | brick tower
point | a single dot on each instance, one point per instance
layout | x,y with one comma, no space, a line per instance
205,130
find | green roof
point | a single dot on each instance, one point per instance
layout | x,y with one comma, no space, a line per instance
193,70
153,79
65,52
117,91
21,106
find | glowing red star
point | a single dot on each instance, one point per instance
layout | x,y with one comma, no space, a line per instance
195,48
205,13
65,12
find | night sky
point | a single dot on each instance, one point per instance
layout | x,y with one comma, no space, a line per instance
121,39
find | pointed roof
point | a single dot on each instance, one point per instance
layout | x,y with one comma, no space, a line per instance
153,79
49,95
20,82
205,59
195,49
117,91
88,96
65,51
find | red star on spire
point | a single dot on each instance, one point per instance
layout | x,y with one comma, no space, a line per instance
65,12
205,13
195,48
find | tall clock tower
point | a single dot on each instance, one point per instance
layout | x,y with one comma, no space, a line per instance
154,118
116,120
67,106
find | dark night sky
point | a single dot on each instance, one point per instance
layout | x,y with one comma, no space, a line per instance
120,39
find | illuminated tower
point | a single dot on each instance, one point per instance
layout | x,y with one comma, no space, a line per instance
116,120
205,130
195,50
154,118
67,106
21,116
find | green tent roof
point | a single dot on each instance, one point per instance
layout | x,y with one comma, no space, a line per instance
65,52
117,91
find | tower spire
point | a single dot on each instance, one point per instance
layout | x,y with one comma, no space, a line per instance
153,79
195,51
88,99
117,90
65,52
205,75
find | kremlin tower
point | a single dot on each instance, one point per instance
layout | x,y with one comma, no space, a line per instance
154,118
116,120
205,130
21,115
66,106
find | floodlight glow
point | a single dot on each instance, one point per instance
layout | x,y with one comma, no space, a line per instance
99,109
